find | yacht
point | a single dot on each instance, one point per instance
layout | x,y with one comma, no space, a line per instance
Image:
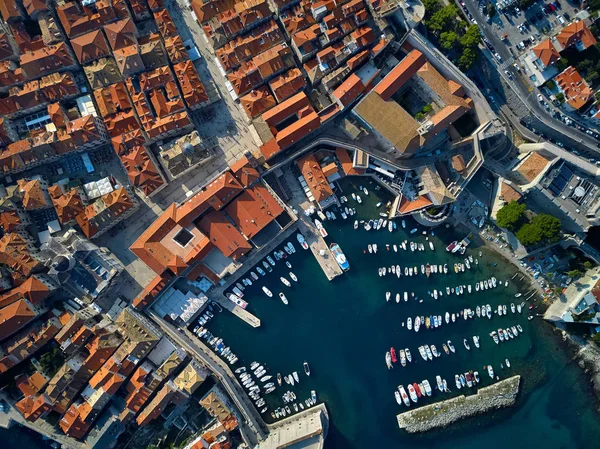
490,371
296,378
293,277
340,258
302,241
408,355
285,281
267,292
306,368
466,343
457,381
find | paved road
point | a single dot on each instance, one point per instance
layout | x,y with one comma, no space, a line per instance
556,129
253,425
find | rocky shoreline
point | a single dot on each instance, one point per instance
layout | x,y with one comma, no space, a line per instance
588,356
441,414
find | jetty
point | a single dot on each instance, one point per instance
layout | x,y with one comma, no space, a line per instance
307,429
441,414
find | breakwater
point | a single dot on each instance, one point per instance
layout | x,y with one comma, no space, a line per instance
441,414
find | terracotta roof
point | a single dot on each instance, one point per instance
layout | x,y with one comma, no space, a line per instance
574,33
532,166
346,162
286,109
400,74
72,423
299,129
253,210
458,163
192,88
32,407
287,84
31,385
33,289
90,46
10,221
68,206
349,90
48,59
15,253
6,49
244,172
9,10
13,317
314,177
165,24
121,34
151,290
508,193
406,206
34,195
224,235
576,90
141,170
175,49
257,101
546,52
129,60
33,7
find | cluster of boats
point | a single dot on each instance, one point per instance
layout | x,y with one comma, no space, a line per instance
423,389
213,341
405,246
483,311
254,381
290,397
238,290
506,334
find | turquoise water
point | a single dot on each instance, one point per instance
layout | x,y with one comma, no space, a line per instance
343,329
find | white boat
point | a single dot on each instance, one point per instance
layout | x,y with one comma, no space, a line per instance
427,387
296,378
423,352
507,362
476,341
417,324
447,317
457,381
267,292
412,393
388,295
283,298
404,396
405,296
321,229
355,224
339,256
388,360
397,297
398,398
466,343
490,371
365,191
409,323
306,369
431,246
285,281
408,355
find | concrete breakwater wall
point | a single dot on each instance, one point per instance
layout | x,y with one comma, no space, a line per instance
441,414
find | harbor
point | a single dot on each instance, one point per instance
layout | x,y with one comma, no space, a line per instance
343,328
441,414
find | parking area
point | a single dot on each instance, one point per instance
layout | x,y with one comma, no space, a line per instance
522,29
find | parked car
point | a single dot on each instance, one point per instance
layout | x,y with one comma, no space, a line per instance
508,74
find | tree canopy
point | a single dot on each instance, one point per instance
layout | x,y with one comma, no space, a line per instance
443,19
542,228
511,215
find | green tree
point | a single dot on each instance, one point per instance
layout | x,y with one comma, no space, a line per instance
431,7
443,19
562,63
574,274
467,59
471,38
52,361
491,10
511,215
557,290
587,265
427,109
549,227
529,234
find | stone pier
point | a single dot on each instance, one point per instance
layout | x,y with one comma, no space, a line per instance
441,414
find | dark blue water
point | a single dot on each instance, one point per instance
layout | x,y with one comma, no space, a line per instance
343,329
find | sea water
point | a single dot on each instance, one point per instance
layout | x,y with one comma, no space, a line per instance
343,329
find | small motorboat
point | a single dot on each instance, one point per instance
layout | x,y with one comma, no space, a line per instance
466,343
306,368
267,292
283,298
293,277
285,281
